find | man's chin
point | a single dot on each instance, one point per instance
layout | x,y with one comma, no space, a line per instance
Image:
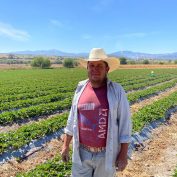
96,79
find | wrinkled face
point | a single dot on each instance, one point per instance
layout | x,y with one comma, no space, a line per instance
97,71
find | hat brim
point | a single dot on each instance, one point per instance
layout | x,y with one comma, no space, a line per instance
113,63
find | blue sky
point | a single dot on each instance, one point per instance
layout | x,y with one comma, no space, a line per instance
78,25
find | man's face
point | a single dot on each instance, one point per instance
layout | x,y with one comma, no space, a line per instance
97,70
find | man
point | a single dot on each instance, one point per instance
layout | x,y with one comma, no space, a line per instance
99,121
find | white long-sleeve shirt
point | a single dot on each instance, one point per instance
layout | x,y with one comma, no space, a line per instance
119,122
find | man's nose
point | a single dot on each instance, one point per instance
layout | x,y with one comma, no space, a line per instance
96,67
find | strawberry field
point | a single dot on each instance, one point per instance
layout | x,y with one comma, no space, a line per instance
34,106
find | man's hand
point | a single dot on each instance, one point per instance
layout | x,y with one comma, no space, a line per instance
65,154
65,148
122,161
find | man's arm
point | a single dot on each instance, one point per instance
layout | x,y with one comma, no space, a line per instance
65,148
121,161
125,128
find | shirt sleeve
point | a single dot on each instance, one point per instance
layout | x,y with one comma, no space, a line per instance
69,126
70,122
124,118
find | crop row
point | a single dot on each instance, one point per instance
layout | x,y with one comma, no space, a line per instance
39,93
34,111
50,106
147,114
128,75
35,88
39,81
144,80
22,81
51,168
7,106
153,112
135,96
70,88
145,84
15,139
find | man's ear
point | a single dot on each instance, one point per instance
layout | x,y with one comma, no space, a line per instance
107,69
87,65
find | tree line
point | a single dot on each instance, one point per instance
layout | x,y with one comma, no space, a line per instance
42,62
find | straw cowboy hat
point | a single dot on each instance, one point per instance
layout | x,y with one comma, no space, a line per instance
98,54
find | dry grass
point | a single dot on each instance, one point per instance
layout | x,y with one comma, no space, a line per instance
146,66
24,66
14,66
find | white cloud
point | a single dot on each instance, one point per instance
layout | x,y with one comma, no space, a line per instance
9,31
56,23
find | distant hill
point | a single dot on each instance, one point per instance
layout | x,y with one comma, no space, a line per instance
138,55
50,53
127,54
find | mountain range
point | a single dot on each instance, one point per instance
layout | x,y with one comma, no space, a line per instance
127,54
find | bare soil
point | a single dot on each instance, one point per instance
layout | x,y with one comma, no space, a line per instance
147,66
11,168
23,66
14,66
159,158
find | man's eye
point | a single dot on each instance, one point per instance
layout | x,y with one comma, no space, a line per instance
100,66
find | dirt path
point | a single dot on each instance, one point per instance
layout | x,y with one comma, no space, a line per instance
159,158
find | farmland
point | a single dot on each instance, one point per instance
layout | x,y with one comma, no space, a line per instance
34,105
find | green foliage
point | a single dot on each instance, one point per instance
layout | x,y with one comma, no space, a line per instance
148,82
15,139
175,61
175,175
41,62
51,168
145,62
39,110
153,112
58,61
43,92
123,60
131,62
13,61
161,63
69,63
135,96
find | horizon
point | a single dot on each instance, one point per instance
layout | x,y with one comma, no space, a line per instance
15,52
77,26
